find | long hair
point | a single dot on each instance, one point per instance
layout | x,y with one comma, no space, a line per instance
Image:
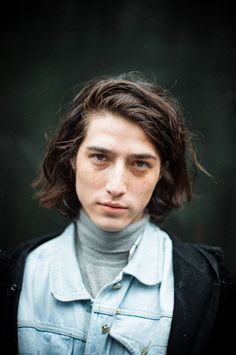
138,100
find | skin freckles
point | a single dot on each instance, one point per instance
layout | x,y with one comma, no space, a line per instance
117,168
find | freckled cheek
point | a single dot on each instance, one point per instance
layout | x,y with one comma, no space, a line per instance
144,189
89,180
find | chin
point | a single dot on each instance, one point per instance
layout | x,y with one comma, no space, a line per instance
111,226
112,229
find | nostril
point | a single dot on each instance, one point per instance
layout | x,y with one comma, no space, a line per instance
116,189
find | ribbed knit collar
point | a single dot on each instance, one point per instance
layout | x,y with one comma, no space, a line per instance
108,242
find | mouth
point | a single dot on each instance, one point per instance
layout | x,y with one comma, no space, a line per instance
113,207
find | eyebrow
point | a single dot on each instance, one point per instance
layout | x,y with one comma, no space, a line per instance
102,150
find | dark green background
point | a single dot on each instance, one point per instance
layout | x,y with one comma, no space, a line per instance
46,49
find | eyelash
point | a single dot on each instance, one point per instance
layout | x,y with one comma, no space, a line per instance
144,164
95,157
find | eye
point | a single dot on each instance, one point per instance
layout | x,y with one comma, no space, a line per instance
99,158
141,165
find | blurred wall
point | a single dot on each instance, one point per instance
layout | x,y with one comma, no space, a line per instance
47,49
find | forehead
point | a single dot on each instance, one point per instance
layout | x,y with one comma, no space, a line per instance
114,131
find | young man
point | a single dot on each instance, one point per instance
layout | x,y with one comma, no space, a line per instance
113,282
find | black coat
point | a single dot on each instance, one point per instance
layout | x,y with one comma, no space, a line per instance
204,299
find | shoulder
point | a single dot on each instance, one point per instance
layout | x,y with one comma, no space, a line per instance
209,260
205,258
12,260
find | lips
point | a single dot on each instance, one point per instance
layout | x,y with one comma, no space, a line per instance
113,205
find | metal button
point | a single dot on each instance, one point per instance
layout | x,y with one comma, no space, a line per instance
117,286
13,287
144,351
118,311
105,329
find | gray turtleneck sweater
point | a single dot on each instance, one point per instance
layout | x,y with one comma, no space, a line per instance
101,254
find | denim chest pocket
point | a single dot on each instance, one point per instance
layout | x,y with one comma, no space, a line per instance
32,341
141,335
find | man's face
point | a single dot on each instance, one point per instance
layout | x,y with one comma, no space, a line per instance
117,168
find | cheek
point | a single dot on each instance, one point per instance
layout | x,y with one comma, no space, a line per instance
143,189
150,182
88,179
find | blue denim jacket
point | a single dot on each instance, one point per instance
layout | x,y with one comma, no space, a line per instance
131,315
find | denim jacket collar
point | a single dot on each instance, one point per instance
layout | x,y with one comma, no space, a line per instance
145,264
65,278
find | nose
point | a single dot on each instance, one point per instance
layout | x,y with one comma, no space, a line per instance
116,183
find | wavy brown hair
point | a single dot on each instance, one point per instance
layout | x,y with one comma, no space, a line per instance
141,101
